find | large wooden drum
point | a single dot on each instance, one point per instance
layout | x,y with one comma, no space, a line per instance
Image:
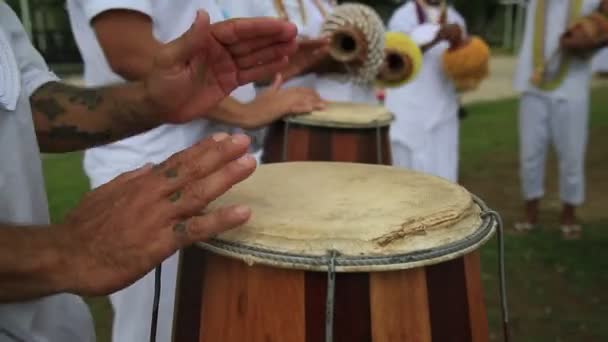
344,132
339,252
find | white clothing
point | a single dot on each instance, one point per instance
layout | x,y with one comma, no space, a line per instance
563,122
579,74
559,116
600,61
426,108
439,156
59,318
171,18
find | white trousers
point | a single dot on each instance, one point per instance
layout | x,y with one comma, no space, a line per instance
438,156
133,306
564,122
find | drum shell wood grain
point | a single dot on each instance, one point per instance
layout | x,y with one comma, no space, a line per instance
224,299
317,143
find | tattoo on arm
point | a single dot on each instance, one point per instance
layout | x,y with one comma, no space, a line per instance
69,118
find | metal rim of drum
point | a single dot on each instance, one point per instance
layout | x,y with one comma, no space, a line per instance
304,120
349,264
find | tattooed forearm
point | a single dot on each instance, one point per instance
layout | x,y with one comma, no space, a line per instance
68,118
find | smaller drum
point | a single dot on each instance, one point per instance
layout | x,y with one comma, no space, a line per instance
344,132
340,252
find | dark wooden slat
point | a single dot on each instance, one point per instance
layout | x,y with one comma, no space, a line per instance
273,143
352,307
448,302
186,323
320,144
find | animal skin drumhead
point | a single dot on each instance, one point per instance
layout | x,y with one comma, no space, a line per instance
346,115
309,208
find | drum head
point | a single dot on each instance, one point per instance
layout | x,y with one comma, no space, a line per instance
346,115
366,212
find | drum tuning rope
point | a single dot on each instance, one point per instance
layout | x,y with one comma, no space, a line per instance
331,290
501,272
157,284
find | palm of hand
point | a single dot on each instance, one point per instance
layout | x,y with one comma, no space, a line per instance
193,87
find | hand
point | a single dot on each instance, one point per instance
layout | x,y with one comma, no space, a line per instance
195,72
275,103
452,33
309,55
125,228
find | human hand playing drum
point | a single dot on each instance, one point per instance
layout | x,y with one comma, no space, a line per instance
126,227
275,103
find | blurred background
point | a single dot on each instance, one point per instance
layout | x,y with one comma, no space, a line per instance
558,289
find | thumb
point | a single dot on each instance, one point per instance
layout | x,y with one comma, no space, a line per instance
187,45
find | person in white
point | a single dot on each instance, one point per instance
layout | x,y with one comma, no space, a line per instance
554,108
44,267
142,26
425,134
61,317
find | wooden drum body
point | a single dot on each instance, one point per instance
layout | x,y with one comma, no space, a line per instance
354,252
344,132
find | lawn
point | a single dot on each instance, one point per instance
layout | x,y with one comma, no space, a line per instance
557,288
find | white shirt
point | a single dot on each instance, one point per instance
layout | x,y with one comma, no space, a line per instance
170,20
600,61
579,75
60,318
431,99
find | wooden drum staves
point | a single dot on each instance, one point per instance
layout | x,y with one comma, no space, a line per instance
344,132
340,252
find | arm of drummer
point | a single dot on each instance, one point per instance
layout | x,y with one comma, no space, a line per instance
31,265
311,57
129,45
269,106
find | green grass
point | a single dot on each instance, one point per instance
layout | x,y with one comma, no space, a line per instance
557,288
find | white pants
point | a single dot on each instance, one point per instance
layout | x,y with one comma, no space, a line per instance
564,122
133,306
438,156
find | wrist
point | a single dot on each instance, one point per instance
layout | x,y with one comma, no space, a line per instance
148,106
58,267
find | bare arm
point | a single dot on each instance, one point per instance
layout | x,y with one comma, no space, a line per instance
68,118
30,263
128,43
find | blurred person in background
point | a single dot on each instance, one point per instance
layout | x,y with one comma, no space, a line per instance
554,108
425,134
